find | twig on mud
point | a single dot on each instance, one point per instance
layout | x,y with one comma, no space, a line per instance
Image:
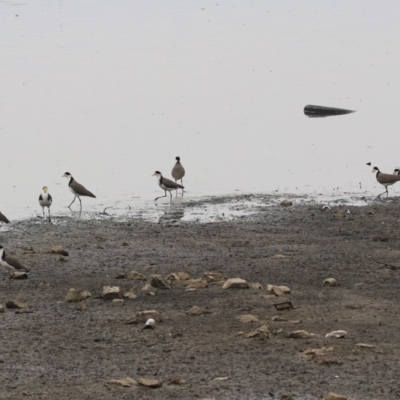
104,211
393,267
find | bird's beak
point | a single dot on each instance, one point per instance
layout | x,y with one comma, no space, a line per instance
154,174
62,176
373,170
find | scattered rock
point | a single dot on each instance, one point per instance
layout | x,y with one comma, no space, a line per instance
213,277
277,292
330,282
143,316
183,276
284,305
301,334
172,278
149,324
151,383
147,287
235,283
129,295
286,397
248,318
335,396
197,284
16,305
125,244
295,321
310,353
191,290
325,208
158,282
58,250
111,292
221,378
73,295
63,259
278,318
126,382
336,334
135,276
284,289
85,294
286,203
20,275
177,381
381,238
361,345
118,302
255,285
1,308
195,310
262,332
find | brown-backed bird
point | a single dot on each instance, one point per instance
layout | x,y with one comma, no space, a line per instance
166,185
385,179
77,189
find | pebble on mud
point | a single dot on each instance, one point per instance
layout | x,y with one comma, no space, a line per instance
151,383
16,304
111,292
1,308
286,305
335,396
286,203
73,295
311,353
195,310
235,283
126,382
130,295
158,282
177,381
118,302
262,332
58,250
135,276
143,316
20,275
248,318
255,285
196,284
365,345
172,278
149,324
336,334
213,276
301,334
330,282
85,294
183,276
286,397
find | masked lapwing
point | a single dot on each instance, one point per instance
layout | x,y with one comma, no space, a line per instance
166,185
10,263
3,218
77,189
45,200
385,179
178,172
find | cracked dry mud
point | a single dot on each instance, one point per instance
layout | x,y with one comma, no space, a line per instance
61,351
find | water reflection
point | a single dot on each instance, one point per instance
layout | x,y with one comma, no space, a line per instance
172,214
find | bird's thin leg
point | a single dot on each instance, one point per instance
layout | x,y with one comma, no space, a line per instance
182,185
72,203
49,215
165,195
80,201
383,192
170,193
43,212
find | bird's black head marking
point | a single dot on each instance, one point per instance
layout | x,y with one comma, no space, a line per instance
178,159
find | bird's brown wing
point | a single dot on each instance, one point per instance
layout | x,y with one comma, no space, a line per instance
170,184
15,263
387,178
178,172
4,218
80,189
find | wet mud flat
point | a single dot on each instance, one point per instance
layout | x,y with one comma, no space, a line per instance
71,350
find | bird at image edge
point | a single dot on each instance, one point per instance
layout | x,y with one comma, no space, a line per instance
385,180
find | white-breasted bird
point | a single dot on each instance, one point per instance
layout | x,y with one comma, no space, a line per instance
166,185
385,179
45,200
10,263
77,189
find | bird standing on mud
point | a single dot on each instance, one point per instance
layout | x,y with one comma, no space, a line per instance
166,184
3,218
11,264
178,172
77,189
385,180
45,200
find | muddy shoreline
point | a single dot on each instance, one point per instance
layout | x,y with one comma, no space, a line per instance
68,351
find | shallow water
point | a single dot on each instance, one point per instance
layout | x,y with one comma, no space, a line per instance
112,92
